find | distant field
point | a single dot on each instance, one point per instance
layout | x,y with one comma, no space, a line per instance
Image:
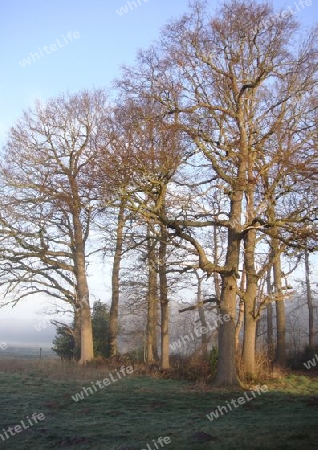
15,352
135,411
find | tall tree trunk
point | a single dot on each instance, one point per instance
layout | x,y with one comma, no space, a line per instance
310,304
216,276
250,315
82,291
77,333
87,350
269,318
226,371
113,314
250,319
152,351
240,317
155,349
204,336
280,307
164,303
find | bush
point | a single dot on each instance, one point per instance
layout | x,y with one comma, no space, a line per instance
63,343
100,324
213,358
192,368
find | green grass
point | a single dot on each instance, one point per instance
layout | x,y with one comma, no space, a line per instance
129,414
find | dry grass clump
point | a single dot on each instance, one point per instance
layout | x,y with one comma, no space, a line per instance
53,369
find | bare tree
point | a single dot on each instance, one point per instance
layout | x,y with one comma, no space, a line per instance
225,82
49,198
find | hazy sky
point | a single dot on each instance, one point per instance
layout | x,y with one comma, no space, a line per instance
47,48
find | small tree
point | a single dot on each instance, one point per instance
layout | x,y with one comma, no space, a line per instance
100,323
63,343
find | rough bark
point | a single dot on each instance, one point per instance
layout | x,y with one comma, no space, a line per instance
226,371
113,314
164,303
87,351
269,319
240,317
250,319
155,349
77,333
152,352
280,308
216,257
311,330
205,336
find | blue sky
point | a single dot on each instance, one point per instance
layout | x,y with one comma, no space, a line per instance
105,41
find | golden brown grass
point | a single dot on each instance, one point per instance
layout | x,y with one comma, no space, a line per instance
53,369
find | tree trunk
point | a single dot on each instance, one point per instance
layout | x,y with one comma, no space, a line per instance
152,351
164,303
226,372
240,318
155,349
249,343
216,260
250,320
113,314
280,308
87,349
269,319
77,333
204,336
82,291
310,304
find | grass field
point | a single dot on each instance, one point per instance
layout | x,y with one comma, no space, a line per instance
137,410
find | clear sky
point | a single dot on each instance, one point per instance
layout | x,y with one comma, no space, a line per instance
106,41
91,58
